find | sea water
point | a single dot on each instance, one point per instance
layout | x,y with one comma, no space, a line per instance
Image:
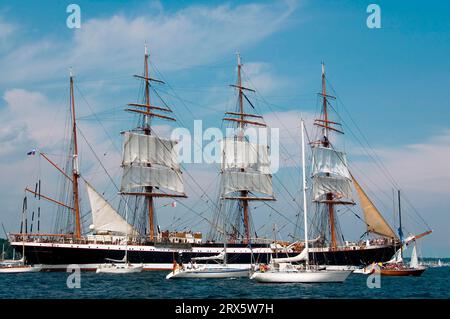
434,283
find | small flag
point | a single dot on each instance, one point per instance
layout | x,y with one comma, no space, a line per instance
174,204
32,152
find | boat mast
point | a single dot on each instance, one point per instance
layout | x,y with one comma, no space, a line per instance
244,194
326,144
149,112
400,231
147,131
24,212
305,206
75,172
242,121
126,233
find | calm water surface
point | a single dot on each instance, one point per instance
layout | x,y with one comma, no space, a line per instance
434,283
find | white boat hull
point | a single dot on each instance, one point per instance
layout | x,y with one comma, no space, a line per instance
119,269
320,276
19,269
211,273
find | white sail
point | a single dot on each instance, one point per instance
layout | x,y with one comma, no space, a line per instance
220,256
104,216
150,161
148,149
245,155
397,258
341,188
414,259
234,181
139,176
330,174
300,257
245,167
329,161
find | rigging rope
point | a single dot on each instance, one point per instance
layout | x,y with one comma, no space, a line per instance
375,156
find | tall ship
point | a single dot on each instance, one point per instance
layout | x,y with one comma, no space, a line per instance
151,172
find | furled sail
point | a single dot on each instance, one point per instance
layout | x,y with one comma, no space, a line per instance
245,167
300,257
105,217
150,161
374,220
220,256
330,175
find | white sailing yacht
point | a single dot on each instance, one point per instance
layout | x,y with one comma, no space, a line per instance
283,271
219,270
122,266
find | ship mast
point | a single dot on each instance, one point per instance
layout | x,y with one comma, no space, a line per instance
149,111
400,231
305,205
75,171
242,120
147,131
244,194
327,144
327,126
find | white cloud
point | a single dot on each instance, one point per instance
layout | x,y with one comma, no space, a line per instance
288,123
421,167
260,76
6,29
28,120
422,171
196,35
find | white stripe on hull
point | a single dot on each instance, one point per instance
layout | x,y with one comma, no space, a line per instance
149,267
197,249
209,275
301,276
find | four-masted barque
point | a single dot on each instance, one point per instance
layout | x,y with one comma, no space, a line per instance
151,171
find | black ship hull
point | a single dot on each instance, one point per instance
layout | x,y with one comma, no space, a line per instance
57,257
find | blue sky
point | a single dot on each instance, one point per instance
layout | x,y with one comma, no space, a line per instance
393,81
